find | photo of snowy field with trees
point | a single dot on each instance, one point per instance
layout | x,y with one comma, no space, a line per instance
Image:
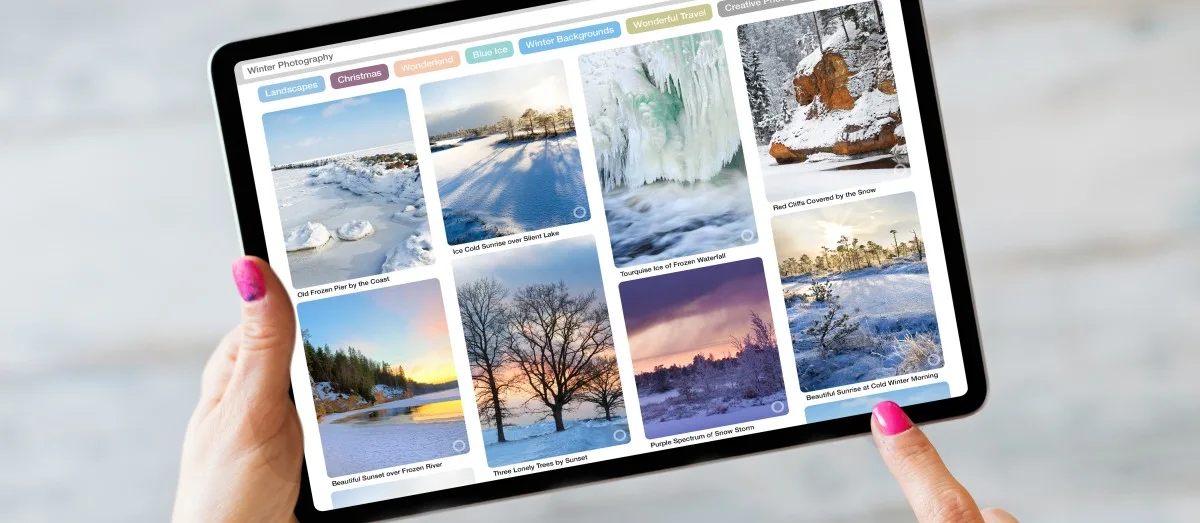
505,152
823,97
856,284
704,348
383,378
541,350
348,186
668,149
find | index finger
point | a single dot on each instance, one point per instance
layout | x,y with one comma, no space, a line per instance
933,493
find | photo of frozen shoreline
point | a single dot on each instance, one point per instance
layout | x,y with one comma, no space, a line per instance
505,152
383,378
348,185
668,149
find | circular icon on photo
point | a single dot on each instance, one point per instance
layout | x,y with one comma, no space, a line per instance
580,212
459,445
620,435
748,235
901,169
778,407
934,360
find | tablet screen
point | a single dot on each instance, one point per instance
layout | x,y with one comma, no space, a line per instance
595,230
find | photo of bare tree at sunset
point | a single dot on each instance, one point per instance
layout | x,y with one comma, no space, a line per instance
541,349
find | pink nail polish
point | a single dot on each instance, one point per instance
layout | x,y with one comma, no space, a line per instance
249,280
891,418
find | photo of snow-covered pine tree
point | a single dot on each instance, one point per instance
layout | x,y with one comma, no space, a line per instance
857,290
383,378
823,97
541,350
505,152
704,348
349,190
668,150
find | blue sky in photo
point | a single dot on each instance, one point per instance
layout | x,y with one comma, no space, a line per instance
864,404
573,261
337,127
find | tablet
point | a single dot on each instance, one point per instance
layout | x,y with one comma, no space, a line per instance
537,245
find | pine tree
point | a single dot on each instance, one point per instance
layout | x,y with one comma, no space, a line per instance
760,103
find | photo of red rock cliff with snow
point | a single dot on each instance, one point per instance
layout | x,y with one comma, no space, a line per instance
823,96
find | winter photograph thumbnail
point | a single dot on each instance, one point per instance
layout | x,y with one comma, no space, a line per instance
668,150
383,378
541,350
704,348
348,185
857,289
505,152
823,98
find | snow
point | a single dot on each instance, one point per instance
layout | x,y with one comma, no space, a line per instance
888,303
822,173
354,443
666,421
667,220
307,236
540,441
355,230
387,390
490,187
416,251
872,111
324,391
345,190
668,149
661,110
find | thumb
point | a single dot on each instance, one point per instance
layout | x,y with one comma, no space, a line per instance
268,330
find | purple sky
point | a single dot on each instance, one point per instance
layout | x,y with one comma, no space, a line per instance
673,317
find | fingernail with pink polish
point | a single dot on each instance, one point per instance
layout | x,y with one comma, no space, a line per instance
249,280
891,418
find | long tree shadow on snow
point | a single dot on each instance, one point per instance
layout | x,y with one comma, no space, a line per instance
528,185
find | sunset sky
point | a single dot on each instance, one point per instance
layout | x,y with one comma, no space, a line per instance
672,318
403,325
573,261
805,232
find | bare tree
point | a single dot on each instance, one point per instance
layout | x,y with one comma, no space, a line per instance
604,387
817,24
566,117
486,329
558,336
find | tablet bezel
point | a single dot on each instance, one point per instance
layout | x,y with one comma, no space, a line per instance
237,155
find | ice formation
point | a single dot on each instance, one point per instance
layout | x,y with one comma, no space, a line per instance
661,110
367,178
308,236
355,230
416,251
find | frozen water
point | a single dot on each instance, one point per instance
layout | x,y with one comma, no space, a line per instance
661,110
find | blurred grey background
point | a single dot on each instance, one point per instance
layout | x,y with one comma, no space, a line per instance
1073,133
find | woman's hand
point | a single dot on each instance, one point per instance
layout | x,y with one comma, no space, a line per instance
935,496
242,451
